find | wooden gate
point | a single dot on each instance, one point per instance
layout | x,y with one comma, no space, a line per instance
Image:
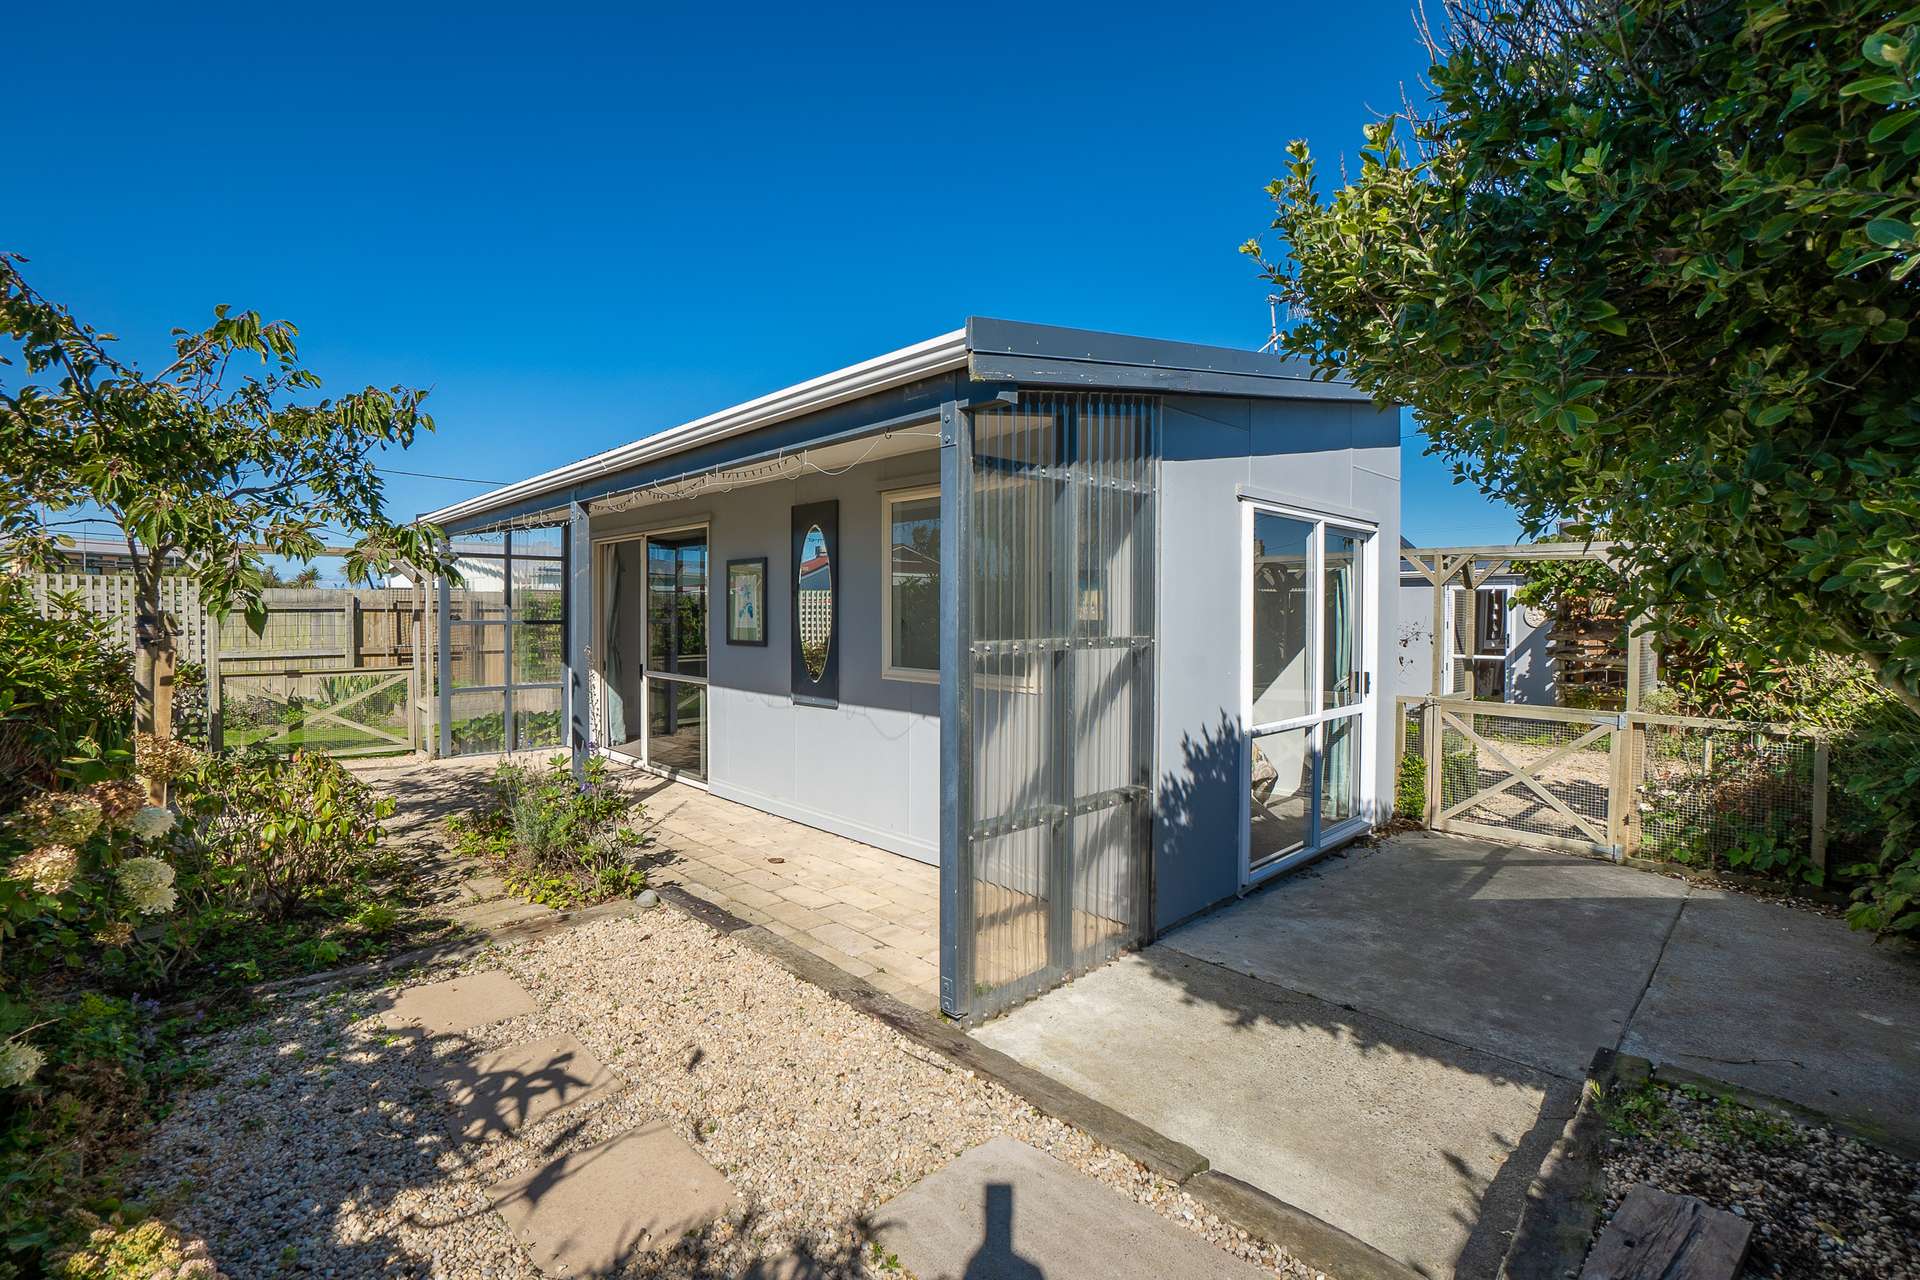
363,711
1544,775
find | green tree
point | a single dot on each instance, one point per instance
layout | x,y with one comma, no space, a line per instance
204,458
1647,270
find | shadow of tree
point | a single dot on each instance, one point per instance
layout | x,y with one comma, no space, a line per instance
375,1189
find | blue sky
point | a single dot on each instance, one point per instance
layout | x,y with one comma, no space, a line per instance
578,228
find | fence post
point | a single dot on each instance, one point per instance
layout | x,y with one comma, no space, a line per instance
350,617
216,730
1636,776
1430,730
1619,785
1818,847
415,665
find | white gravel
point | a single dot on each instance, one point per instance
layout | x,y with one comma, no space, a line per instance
1821,1204
318,1150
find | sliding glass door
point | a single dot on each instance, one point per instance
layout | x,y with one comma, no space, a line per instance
1309,697
653,594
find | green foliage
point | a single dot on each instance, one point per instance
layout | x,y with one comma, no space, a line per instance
270,832
108,1061
1545,583
65,689
202,459
561,841
1660,1113
1874,816
1647,272
1410,788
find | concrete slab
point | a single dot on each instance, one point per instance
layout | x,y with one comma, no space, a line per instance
1418,1147
496,1093
459,1004
1004,1211
593,1211
1534,955
1791,1004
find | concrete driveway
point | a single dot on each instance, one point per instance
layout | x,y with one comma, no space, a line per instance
1393,1038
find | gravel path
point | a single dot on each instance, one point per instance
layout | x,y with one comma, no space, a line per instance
1821,1204
319,1150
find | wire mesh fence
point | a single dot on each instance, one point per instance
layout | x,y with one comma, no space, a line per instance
1711,793
1718,796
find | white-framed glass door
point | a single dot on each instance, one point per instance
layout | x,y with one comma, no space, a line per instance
1308,677
653,593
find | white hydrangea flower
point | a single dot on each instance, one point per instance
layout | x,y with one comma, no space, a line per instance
148,884
152,822
19,1063
50,868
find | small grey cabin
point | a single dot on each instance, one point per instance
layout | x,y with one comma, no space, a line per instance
1101,625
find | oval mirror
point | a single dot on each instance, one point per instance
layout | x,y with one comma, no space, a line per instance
815,592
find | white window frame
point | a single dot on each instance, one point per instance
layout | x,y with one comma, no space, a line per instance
1364,713
888,499
602,731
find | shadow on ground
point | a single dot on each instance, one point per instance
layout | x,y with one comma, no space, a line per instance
326,1142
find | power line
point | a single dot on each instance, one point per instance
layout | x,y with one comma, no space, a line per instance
429,475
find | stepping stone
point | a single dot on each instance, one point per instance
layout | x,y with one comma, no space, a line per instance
1004,1211
460,1004
483,888
593,1211
498,1093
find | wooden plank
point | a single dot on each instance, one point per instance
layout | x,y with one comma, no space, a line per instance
1528,839
1656,1235
1522,551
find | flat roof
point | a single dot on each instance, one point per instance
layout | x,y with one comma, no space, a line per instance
985,350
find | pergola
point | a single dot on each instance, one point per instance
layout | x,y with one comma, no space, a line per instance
1474,567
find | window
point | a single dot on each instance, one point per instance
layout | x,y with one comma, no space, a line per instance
910,593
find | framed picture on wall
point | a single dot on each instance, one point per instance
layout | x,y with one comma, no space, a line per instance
747,601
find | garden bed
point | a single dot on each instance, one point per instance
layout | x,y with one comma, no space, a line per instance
1821,1203
320,1146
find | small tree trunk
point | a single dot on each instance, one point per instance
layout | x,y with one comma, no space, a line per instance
153,670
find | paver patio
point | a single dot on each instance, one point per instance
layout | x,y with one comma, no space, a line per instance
872,913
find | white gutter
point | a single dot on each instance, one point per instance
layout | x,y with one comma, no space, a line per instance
909,364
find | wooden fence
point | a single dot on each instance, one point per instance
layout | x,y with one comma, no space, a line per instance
1622,783
111,595
309,632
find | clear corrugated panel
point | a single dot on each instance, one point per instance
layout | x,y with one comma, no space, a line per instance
1061,602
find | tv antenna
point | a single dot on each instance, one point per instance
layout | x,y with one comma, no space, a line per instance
1273,325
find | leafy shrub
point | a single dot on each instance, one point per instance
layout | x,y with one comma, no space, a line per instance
105,1062
66,690
149,1250
79,877
1410,789
1874,765
562,841
273,831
